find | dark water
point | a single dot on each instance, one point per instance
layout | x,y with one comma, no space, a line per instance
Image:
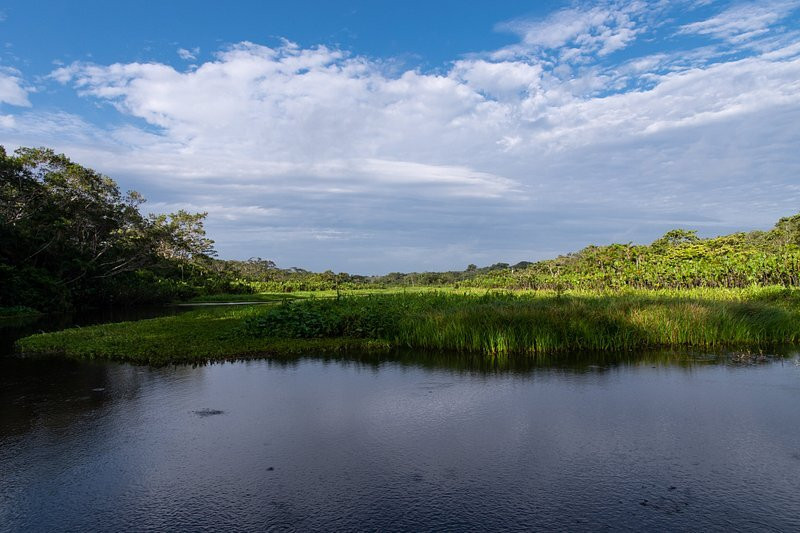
666,443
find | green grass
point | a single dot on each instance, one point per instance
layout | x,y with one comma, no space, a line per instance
257,297
192,337
295,295
532,325
536,324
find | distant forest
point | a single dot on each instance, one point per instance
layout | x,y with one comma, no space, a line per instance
70,238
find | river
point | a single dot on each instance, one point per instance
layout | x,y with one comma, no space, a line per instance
670,441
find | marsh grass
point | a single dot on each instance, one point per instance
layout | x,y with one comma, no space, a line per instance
192,337
17,316
533,324
497,324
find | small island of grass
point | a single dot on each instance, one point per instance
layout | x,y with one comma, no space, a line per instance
533,325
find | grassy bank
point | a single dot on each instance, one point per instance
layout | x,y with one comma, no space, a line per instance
494,324
192,337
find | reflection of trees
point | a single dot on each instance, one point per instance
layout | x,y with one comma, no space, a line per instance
52,391
48,392
572,363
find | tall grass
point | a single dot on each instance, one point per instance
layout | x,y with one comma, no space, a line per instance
527,324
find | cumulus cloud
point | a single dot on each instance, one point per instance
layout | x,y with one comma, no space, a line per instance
12,88
322,158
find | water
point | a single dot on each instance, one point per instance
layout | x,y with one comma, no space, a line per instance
665,442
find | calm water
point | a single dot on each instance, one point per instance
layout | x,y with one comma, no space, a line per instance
393,445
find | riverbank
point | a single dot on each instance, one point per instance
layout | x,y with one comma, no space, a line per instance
493,324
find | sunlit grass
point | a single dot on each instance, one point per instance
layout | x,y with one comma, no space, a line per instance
195,336
541,323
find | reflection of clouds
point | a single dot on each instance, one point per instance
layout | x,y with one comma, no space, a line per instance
544,146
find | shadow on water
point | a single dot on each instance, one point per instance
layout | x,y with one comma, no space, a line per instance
50,392
53,391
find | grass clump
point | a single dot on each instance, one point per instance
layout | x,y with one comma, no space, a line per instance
17,316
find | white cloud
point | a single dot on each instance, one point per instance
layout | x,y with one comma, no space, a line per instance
188,55
600,28
320,158
12,88
743,22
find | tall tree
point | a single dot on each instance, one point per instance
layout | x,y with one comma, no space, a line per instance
67,231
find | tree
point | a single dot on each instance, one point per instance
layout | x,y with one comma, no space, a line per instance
676,237
181,236
67,232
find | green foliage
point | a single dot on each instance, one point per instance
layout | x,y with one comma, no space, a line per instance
353,316
193,337
678,259
506,323
68,236
17,311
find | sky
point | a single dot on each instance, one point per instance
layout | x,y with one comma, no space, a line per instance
380,136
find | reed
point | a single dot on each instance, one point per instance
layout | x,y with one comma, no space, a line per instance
533,324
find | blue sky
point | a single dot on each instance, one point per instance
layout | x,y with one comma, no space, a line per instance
381,136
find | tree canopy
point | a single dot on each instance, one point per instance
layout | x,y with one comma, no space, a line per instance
68,235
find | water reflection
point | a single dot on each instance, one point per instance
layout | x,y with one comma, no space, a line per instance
663,440
573,362
402,442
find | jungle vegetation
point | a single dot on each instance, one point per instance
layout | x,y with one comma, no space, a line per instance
69,237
